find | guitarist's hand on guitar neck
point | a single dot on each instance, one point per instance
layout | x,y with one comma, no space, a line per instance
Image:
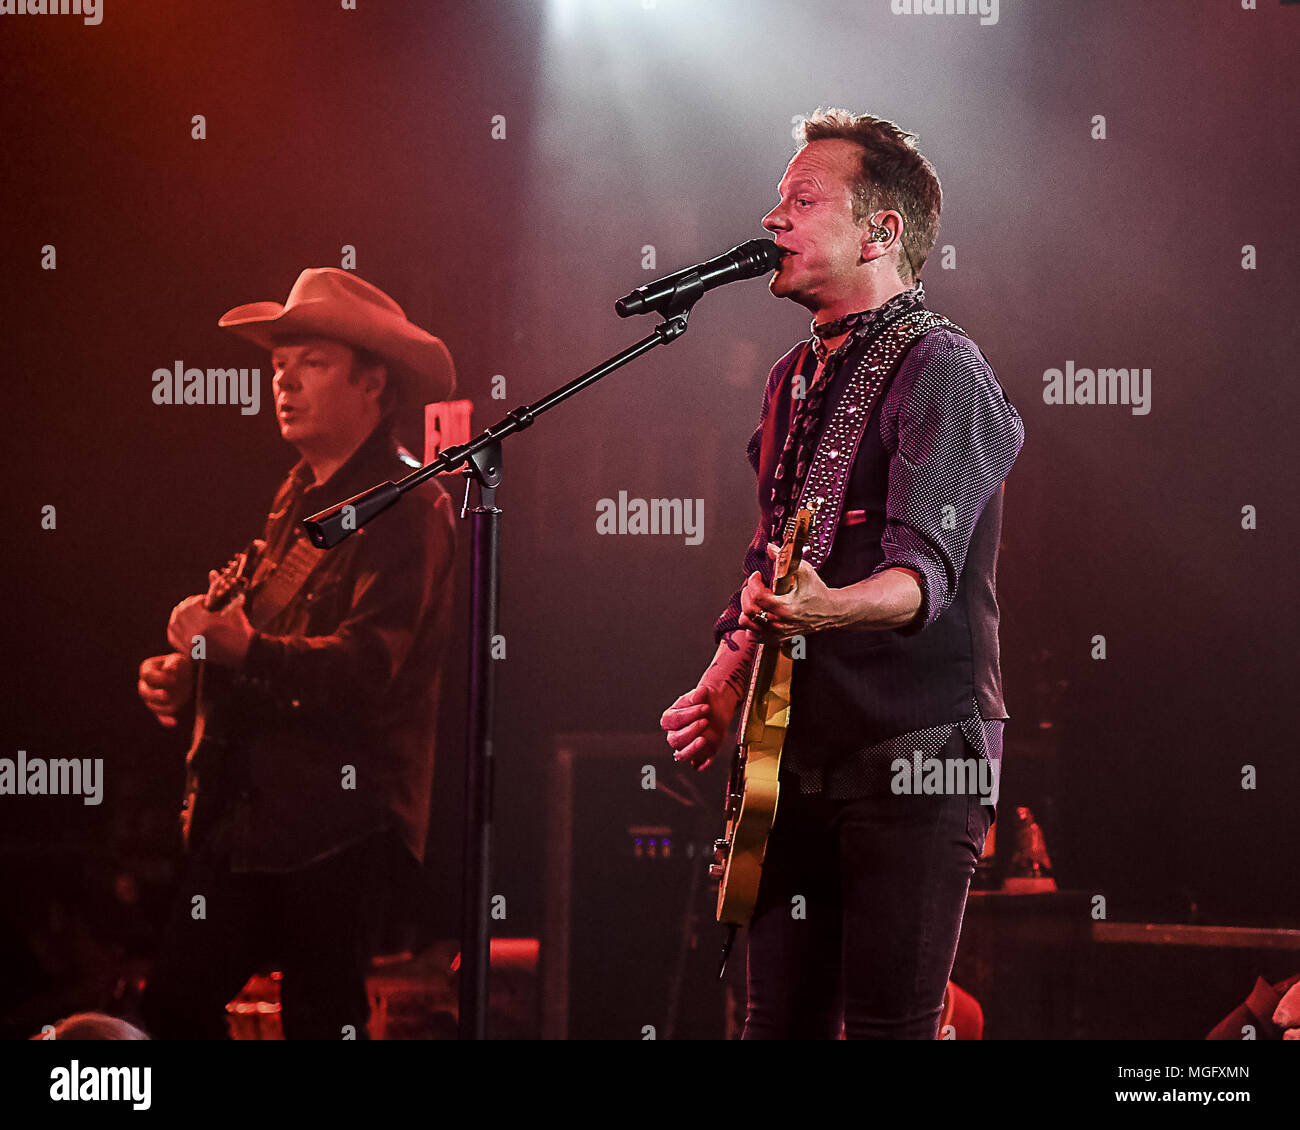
166,686
698,722
808,607
226,633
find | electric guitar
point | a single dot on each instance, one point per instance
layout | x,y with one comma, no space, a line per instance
752,791
214,733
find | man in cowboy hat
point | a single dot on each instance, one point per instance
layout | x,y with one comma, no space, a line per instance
331,666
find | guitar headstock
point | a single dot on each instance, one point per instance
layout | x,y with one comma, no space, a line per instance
233,579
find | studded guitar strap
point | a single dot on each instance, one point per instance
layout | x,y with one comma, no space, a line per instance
828,474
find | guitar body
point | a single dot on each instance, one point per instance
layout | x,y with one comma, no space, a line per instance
222,726
209,752
216,735
753,790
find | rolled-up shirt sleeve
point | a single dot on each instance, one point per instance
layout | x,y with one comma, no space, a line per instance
952,437
755,558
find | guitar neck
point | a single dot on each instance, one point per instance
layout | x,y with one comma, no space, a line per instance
783,581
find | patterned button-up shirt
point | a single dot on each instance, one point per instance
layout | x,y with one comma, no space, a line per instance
972,437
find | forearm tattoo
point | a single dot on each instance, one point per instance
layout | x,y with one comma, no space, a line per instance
738,679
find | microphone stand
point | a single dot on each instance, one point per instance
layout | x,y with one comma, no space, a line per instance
482,454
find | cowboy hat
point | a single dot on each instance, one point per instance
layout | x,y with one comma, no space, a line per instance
329,302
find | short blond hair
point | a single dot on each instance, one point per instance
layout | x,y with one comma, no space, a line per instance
893,175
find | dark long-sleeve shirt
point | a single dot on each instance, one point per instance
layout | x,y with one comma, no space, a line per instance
951,436
343,683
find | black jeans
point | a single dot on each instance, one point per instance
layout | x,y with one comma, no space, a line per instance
859,912
317,925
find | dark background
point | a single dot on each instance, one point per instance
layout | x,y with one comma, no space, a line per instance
668,127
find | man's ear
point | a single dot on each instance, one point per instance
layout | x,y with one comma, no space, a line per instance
888,224
375,378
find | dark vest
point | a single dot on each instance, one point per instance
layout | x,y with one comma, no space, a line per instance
854,688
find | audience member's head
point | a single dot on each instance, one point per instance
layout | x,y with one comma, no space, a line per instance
91,1026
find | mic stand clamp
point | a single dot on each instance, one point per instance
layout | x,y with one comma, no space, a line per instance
676,308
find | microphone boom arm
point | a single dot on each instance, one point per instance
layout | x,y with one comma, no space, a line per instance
327,528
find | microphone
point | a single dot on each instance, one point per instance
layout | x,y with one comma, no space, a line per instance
751,259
